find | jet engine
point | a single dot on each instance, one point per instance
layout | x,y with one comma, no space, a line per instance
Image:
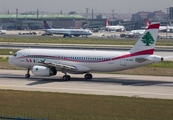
43,71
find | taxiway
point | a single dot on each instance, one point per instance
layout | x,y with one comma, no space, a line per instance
102,84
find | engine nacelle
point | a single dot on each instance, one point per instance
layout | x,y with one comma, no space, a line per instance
43,71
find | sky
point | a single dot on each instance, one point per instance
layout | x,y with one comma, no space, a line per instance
99,6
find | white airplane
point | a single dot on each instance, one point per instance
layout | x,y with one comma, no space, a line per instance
2,31
141,31
66,32
162,28
166,28
135,32
46,62
115,27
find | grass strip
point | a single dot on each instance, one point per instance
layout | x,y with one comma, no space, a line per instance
8,51
104,41
82,107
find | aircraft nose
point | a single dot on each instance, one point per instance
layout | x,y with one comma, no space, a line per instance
10,60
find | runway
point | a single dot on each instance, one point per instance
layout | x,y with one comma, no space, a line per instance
102,84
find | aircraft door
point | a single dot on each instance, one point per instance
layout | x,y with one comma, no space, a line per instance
111,61
123,61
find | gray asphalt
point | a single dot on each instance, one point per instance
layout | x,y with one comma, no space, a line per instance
102,84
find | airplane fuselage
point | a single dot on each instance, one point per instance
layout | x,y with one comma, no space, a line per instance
92,60
118,27
75,32
165,28
136,32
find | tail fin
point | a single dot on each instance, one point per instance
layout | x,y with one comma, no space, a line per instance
147,23
147,41
46,25
107,24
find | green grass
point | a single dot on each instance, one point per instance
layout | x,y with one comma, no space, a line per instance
163,64
59,40
40,39
61,106
2,59
8,51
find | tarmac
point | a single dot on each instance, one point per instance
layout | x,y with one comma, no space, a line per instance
159,87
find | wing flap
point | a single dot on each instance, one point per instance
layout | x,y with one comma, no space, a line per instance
65,66
62,66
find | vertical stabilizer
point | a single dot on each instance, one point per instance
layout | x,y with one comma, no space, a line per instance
46,25
107,24
147,41
147,23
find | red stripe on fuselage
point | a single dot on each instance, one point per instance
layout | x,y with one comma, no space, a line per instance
145,52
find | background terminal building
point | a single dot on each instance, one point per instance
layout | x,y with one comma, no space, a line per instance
35,21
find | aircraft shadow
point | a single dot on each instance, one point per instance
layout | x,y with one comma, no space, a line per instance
118,80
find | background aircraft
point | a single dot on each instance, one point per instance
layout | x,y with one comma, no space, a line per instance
66,32
46,62
167,28
2,31
137,33
115,27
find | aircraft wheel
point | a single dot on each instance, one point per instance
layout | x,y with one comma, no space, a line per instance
66,77
27,76
88,76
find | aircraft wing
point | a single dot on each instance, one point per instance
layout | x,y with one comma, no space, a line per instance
62,66
143,59
149,58
69,67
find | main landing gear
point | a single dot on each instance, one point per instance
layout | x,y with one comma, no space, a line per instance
27,75
70,36
88,76
66,77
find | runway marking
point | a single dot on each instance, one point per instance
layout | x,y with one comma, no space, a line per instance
90,90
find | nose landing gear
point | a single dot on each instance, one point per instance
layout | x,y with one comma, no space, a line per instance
27,75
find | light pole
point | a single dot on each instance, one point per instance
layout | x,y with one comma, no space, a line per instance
167,23
113,17
87,9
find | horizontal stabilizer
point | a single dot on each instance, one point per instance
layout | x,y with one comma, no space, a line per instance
141,60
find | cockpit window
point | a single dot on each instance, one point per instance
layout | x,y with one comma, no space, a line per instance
15,55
